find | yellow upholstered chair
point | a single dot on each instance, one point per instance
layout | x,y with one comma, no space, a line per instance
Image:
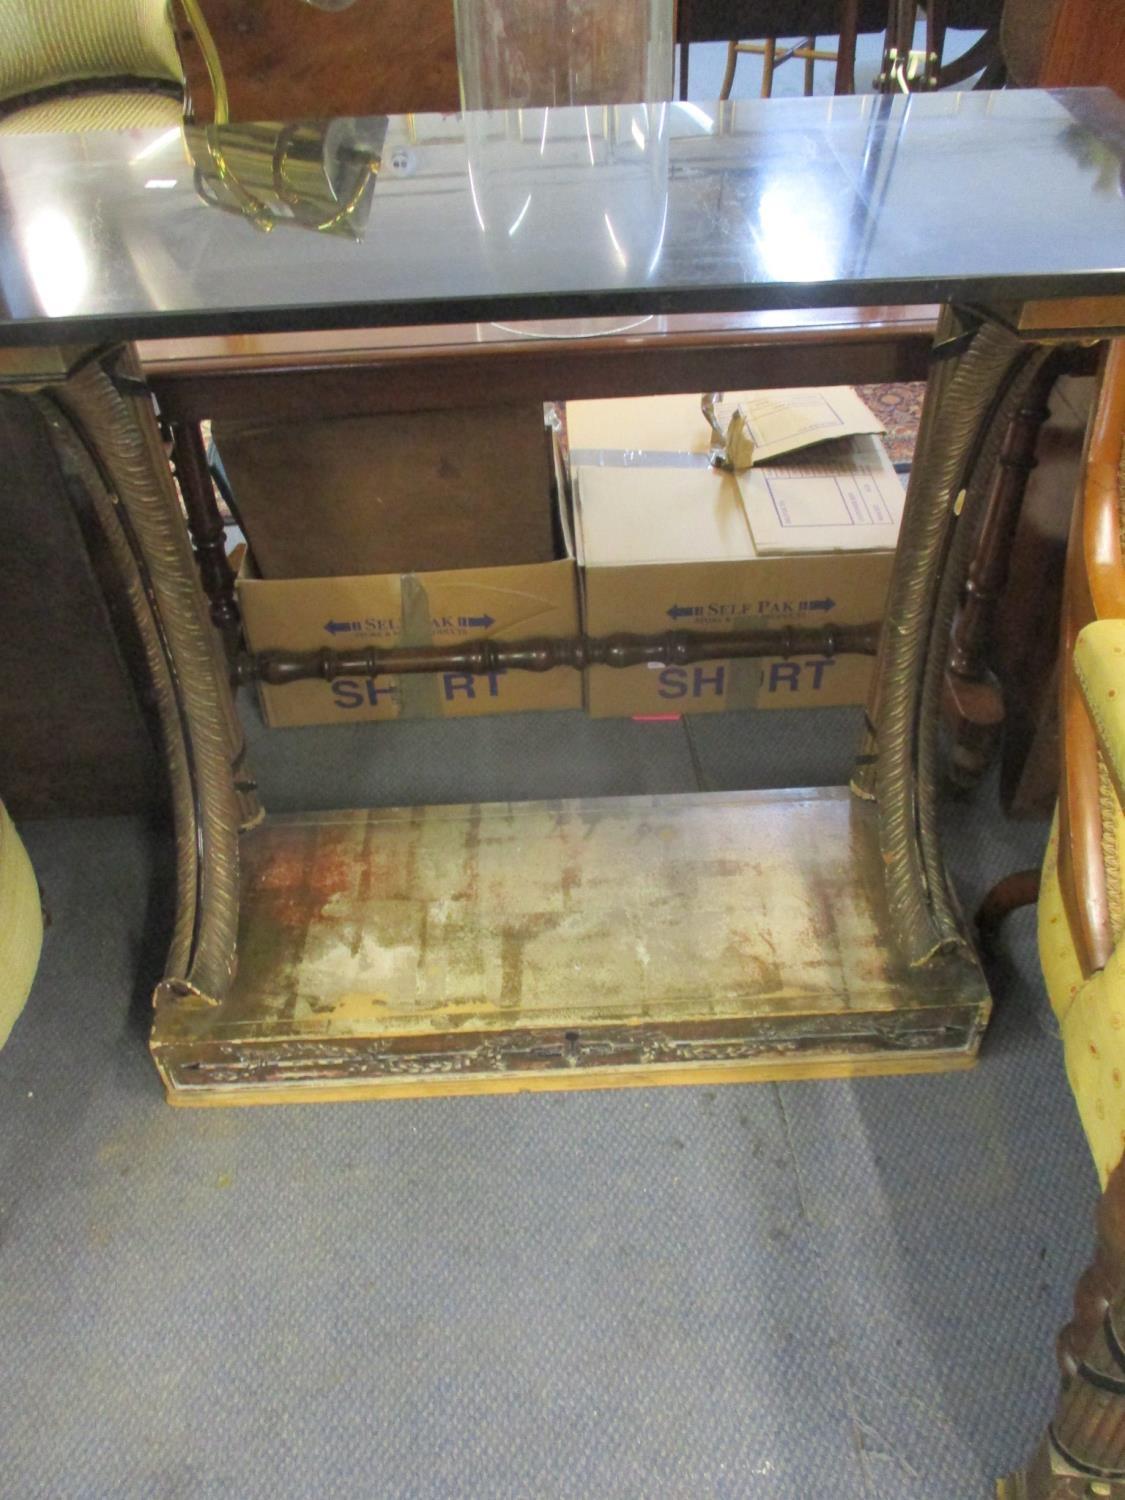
21,925
1082,951
1081,906
75,65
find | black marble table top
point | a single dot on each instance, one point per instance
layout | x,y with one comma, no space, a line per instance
562,213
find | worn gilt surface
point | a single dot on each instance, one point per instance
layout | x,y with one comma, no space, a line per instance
620,922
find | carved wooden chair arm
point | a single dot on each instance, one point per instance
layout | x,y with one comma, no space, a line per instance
1094,590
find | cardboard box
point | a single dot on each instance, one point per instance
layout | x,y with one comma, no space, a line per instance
387,609
395,492
664,543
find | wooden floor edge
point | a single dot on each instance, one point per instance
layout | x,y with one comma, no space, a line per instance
769,1070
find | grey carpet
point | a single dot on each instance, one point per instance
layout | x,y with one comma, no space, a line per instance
845,1288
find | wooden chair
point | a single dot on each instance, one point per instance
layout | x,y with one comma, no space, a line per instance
728,20
74,65
1081,933
806,50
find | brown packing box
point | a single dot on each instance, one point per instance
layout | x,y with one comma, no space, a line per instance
663,543
392,493
387,609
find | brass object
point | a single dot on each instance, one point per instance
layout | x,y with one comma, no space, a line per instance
1049,1476
720,458
308,174
206,44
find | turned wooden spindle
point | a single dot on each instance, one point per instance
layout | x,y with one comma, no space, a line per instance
205,523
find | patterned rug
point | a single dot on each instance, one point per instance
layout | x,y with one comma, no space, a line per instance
899,408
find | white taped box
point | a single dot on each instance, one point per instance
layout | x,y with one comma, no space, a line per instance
665,542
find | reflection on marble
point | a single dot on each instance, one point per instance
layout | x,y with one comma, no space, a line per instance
589,212
310,174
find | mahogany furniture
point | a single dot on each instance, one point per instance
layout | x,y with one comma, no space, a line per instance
1081,922
287,60
1084,44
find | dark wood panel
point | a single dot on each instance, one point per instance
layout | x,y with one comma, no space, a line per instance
1087,45
731,20
293,375
284,59
74,738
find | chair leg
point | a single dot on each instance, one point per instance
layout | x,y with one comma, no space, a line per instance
845,57
982,54
683,37
1021,888
769,57
810,65
973,706
728,76
1082,1453
205,527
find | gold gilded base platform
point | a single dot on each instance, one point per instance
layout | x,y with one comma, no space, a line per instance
637,940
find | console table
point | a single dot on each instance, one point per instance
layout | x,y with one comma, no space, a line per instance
611,942
585,944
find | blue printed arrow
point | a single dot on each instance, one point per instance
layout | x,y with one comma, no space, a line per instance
335,627
819,604
476,622
684,611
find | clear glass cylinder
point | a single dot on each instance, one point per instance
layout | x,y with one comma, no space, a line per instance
545,180
543,53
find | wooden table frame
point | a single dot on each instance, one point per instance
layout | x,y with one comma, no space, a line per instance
983,362
347,374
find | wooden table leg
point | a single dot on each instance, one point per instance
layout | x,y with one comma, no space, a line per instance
104,430
845,56
683,36
205,524
979,376
1082,1453
973,706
